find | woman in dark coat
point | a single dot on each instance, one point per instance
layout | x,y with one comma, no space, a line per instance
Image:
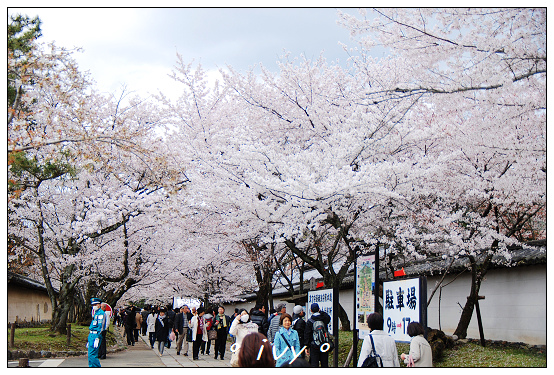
129,324
162,330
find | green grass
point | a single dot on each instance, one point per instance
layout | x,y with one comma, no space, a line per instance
41,338
474,355
463,355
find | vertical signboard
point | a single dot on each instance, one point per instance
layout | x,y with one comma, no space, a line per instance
324,298
365,297
405,301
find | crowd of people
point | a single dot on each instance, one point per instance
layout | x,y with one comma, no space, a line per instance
276,339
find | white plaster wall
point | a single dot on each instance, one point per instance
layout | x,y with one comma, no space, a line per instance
514,308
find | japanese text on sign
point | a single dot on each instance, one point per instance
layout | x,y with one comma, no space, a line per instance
324,298
401,306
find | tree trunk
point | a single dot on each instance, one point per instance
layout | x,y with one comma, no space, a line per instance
467,312
96,288
478,272
343,316
264,270
264,288
66,300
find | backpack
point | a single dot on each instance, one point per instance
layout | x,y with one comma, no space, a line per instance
373,359
320,333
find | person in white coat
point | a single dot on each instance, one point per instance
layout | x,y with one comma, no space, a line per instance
385,346
199,333
151,327
242,325
420,350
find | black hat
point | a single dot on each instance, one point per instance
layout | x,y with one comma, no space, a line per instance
314,308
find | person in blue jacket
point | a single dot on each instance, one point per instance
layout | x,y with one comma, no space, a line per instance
95,332
286,345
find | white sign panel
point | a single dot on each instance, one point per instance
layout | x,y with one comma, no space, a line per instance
324,298
403,301
190,302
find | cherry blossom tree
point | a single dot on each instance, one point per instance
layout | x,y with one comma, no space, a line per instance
437,148
481,74
292,159
81,164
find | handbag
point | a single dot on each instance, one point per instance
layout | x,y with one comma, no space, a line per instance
212,334
172,336
371,360
189,335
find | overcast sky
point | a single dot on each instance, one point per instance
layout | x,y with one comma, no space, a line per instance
138,46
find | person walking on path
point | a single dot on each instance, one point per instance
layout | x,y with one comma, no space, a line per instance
199,333
170,318
222,323
95,332
274,324
144,313
313,348
241,326
138,323
420,354
181,326
122,317
116,318
385,346
130,324
208,320
259,317
162,330
299,324
286,344
151,327
108,314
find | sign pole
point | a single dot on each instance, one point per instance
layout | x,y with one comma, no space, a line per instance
376,276
355,315
423,304
336,325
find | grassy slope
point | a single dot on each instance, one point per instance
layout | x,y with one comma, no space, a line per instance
466,355
41,338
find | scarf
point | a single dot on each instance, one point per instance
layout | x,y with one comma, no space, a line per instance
223,320
160,318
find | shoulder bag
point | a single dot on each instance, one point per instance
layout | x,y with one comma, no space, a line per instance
373,359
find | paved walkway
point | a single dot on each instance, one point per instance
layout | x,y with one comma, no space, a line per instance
171,359
139,355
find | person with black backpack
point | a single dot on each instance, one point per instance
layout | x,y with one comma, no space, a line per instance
317,334
379,348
